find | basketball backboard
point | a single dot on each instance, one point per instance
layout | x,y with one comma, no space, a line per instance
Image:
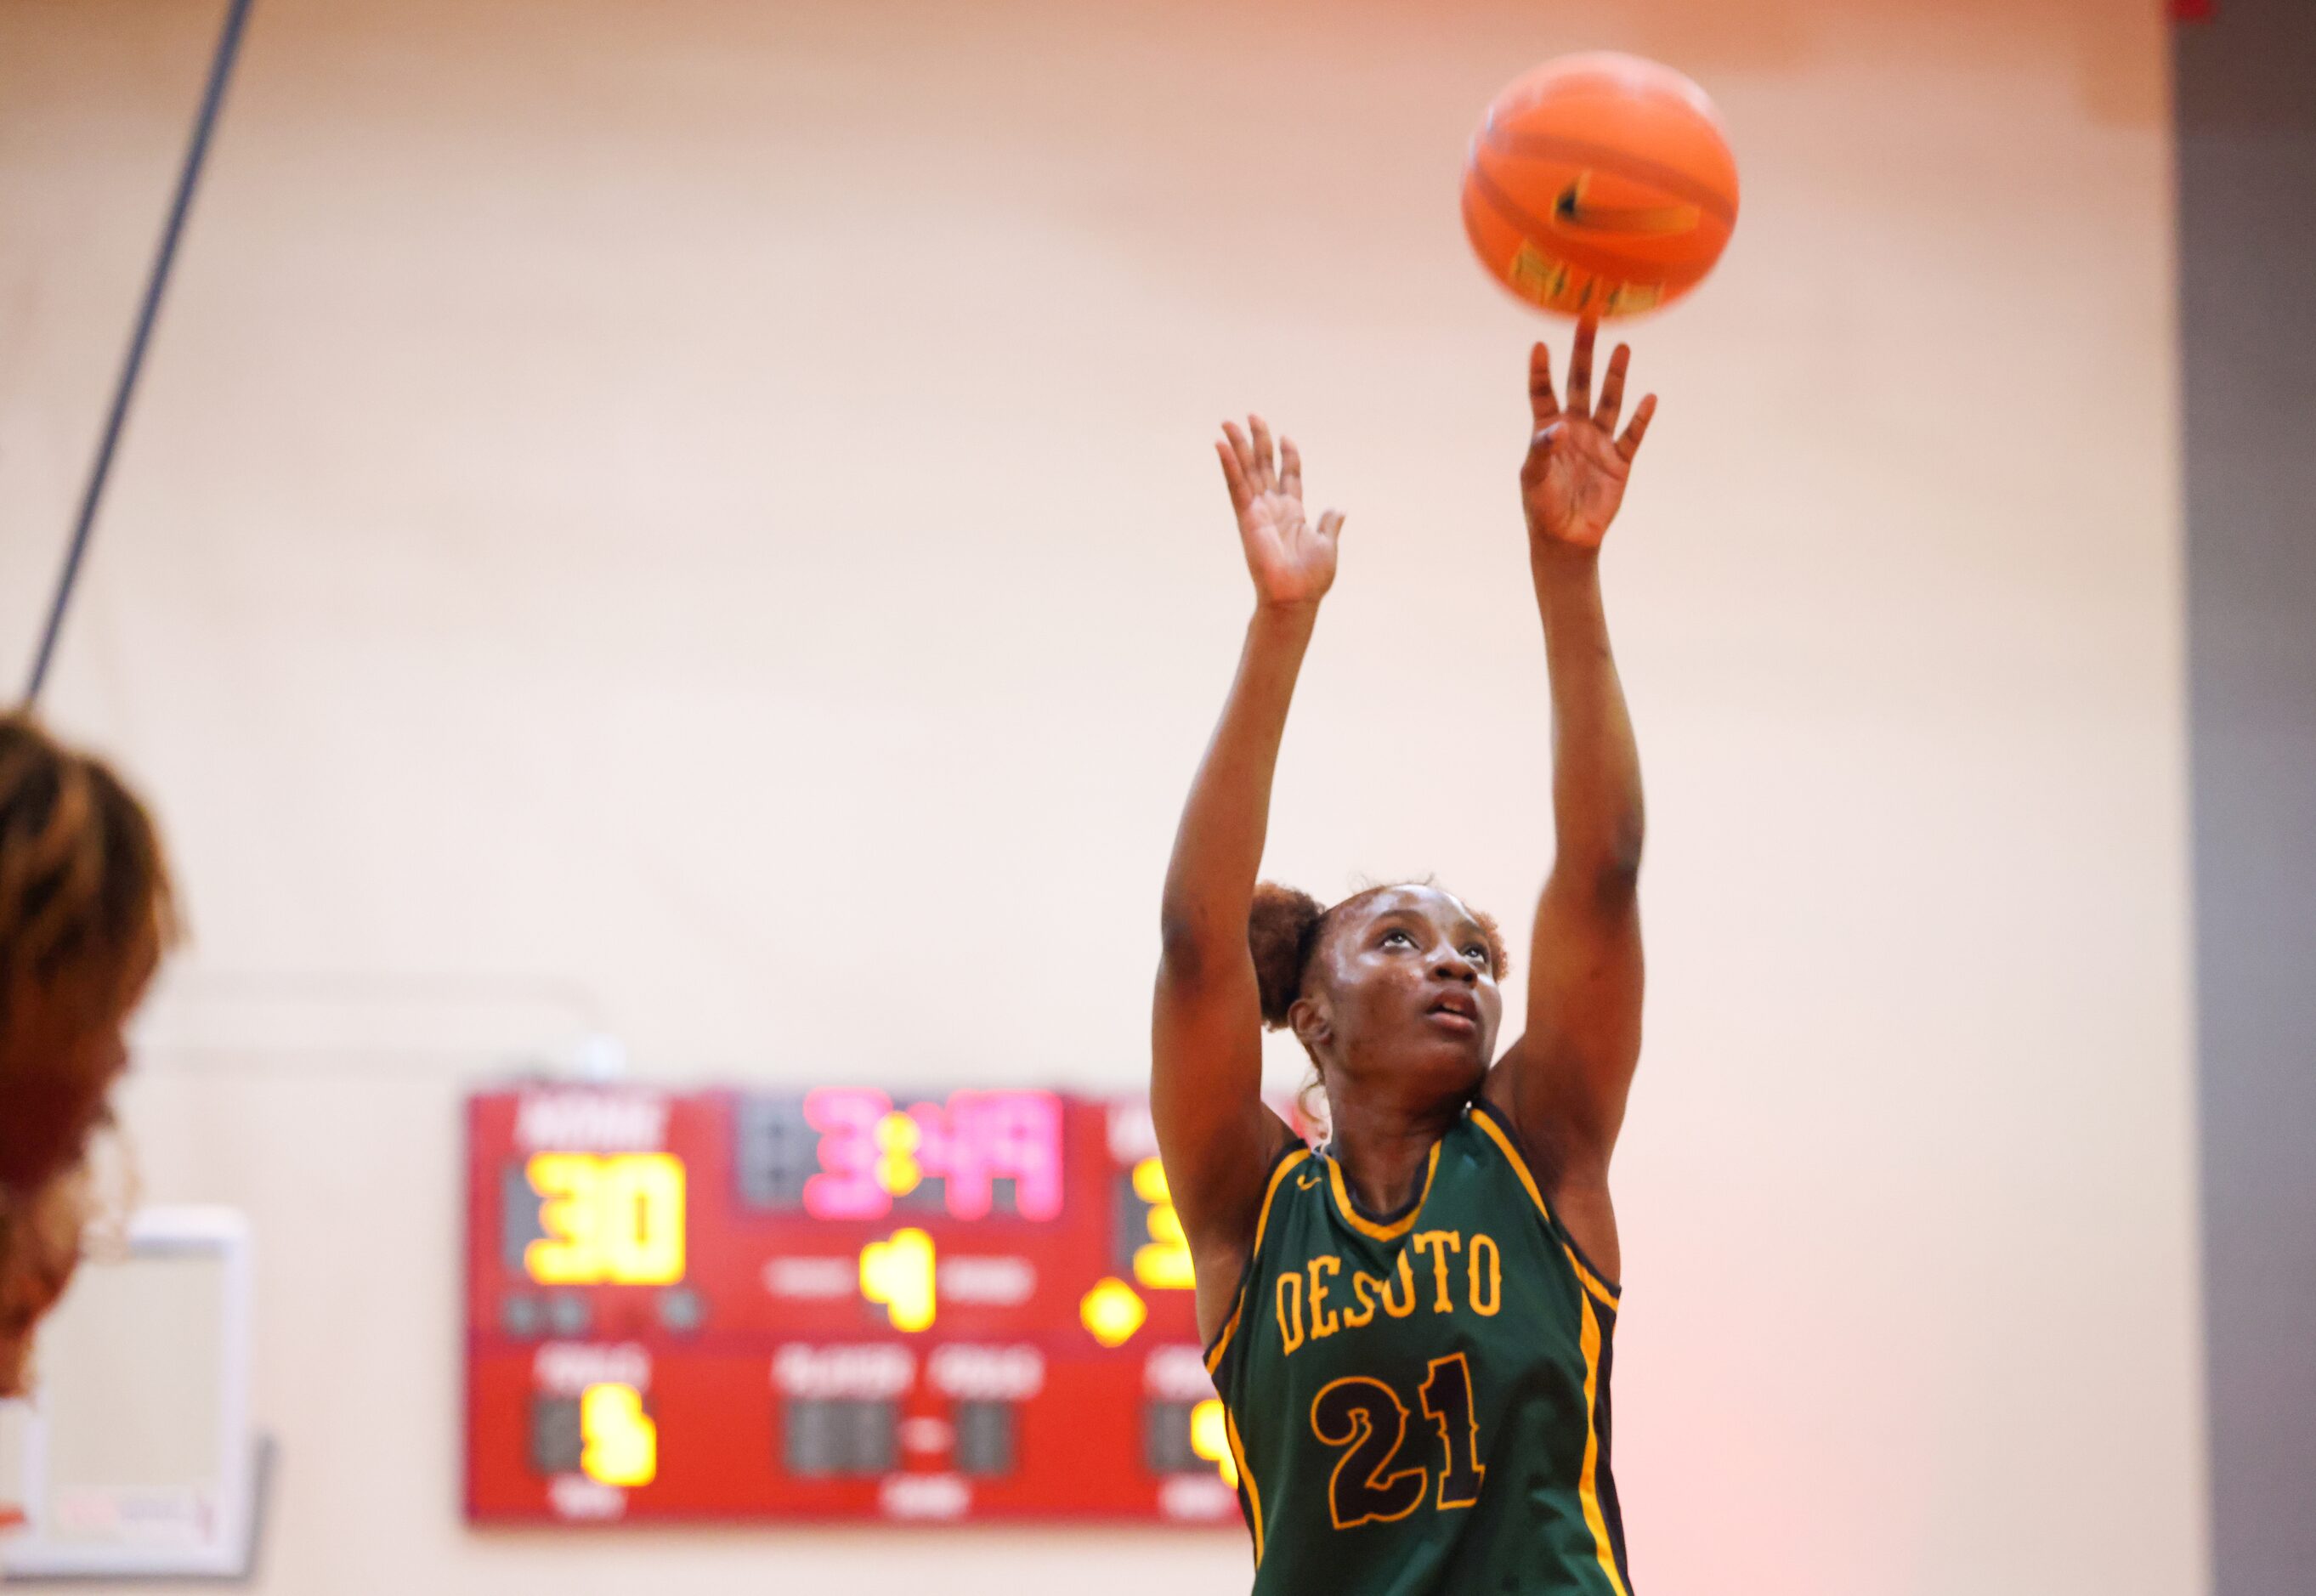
133,1457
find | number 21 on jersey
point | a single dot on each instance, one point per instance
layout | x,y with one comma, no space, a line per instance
1366,1420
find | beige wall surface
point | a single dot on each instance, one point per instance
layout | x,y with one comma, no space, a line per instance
693,521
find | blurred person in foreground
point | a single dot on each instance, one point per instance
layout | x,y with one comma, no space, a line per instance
85,916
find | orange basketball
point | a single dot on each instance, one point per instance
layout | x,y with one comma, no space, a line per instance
1601,184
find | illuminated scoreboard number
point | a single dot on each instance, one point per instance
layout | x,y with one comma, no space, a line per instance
1151,1245
590,1415
1171,1437
852,1153
606,1433
1183,1430
588,1218
569,1221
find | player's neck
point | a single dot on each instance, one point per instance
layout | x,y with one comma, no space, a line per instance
1385,1149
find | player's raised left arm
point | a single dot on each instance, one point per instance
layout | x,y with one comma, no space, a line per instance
1566,1080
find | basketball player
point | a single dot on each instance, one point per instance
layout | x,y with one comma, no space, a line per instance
1409,1327
84,918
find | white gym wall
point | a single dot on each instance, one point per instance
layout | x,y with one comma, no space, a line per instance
694,521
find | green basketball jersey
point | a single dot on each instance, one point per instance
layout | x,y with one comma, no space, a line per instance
1420,1405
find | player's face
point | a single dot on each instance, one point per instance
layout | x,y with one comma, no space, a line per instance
1410,983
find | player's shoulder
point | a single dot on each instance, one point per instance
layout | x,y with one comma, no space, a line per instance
1488,1135
1292,1175
1295,1171
1497,1144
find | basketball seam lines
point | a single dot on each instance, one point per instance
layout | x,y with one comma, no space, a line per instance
1537,232
1671,179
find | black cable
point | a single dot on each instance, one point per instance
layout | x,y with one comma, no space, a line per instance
228,46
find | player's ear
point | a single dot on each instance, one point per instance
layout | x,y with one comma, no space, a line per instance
1312,1023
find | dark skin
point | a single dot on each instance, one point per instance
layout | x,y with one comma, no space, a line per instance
1399,1007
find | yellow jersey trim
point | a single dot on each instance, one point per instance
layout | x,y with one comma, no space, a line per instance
1587,1487
1368,1227
1254,1496
1593,1283
1262,1221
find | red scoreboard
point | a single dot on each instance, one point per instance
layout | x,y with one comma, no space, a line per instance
841,1304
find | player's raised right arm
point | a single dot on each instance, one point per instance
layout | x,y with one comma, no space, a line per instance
1206,1070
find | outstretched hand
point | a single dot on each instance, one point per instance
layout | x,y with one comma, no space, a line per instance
1573,479
1292,562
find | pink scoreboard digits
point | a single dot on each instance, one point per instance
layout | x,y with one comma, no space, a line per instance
871,1152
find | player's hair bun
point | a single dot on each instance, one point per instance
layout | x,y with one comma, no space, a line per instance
1281,930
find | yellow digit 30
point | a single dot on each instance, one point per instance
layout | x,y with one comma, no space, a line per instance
615,1219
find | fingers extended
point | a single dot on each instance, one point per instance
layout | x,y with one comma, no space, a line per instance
1264,472
1330,525
1543,403
1245,450
1233,474
1580,367
1612,388
1290,468
1629,445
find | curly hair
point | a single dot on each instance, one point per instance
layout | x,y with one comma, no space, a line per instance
1286,926
86,912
